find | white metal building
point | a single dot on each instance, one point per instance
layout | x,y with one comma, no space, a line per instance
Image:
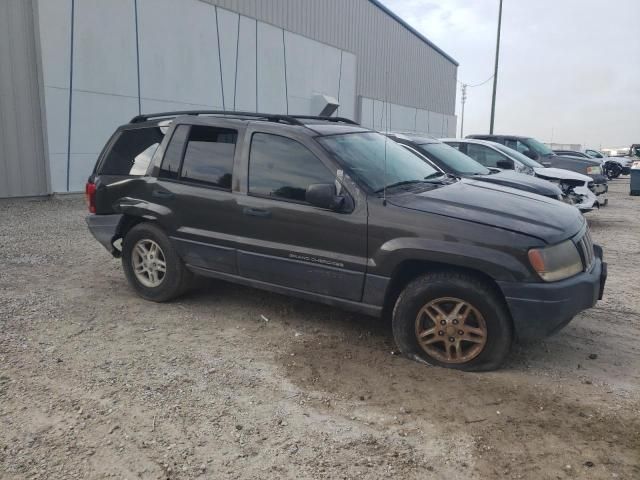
72,70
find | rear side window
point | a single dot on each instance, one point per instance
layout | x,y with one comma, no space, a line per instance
283,168
208,157
132,151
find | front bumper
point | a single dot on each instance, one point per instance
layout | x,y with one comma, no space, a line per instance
588,200
104,228
541,309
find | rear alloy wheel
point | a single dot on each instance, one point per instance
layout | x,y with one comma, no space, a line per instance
152,264
148,262
453,320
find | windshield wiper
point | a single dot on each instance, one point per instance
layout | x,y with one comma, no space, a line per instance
440,177
399,184
435,175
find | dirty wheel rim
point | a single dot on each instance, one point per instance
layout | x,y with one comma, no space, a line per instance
451,330
149,264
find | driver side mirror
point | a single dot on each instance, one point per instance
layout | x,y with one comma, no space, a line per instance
505,164
324,195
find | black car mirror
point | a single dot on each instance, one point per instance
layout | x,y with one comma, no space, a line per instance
324,195
505,164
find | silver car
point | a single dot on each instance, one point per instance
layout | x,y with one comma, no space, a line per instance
578,188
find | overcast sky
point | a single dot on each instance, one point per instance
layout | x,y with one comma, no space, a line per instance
568,68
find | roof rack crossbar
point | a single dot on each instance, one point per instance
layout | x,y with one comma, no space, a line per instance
327,119
258,116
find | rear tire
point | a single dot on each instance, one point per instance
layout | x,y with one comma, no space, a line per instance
152,265
452,320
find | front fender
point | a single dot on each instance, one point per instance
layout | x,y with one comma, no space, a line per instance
508,263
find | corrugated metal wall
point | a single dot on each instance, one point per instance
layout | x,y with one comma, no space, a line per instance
418,75
22,158
105,61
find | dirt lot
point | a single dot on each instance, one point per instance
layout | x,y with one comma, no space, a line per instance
97,383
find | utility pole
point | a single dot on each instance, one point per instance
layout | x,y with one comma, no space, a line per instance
495,72
464,99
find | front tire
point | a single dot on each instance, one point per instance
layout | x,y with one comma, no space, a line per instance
151,264
613,170
452,320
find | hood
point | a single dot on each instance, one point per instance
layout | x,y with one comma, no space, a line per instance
561,174
587,161
520,181
575,164
475,201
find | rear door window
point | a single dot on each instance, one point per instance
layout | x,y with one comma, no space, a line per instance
208,156
484,155
173,156
282,168
517,145
131,152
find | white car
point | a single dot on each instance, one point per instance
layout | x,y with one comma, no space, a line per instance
578,188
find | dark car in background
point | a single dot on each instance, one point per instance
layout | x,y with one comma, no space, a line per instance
612,167
572,153
538,151
328,211
451,161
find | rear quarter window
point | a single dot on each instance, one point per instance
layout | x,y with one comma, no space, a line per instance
131,152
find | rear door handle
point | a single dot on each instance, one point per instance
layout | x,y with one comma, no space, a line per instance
162,194
256,212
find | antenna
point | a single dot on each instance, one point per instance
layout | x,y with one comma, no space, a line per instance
386,137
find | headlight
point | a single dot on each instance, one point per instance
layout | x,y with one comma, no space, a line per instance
557,262
594,170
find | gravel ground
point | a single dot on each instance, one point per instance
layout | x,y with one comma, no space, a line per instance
231,382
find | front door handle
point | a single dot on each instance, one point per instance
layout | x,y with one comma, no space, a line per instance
162,194
256,212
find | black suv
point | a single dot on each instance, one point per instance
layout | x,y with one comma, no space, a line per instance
332,212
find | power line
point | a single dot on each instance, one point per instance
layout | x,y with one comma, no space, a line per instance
477,84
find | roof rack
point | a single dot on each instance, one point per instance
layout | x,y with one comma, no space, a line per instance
270,117
258,116
326,119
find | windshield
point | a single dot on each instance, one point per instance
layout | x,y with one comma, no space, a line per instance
454,159
538,147
517,155
363,154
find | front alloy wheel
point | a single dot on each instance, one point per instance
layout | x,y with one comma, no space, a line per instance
451,330
453,319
